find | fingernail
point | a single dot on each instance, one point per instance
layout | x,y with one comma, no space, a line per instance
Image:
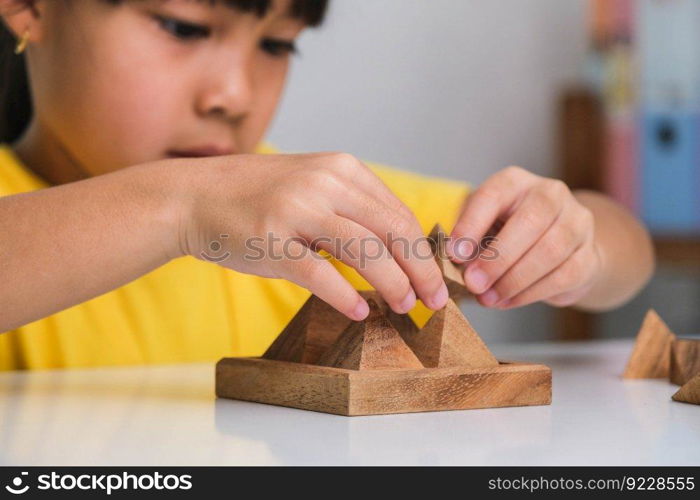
477,279
490,298
408,302
464,250
361,310
439,298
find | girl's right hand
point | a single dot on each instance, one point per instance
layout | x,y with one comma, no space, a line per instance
267,214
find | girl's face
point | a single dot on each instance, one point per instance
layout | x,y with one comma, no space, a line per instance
117,85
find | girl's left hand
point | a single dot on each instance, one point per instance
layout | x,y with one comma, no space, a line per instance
545,249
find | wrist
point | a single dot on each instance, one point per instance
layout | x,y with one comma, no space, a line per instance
168,192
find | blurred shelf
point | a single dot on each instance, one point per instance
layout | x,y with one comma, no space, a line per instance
679,251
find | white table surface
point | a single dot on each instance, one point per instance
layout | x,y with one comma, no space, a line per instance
168,415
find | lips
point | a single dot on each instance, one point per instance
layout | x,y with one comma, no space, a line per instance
200,151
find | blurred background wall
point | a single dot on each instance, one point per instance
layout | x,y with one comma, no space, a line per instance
461,89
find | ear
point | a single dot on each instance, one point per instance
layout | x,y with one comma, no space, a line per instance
22,15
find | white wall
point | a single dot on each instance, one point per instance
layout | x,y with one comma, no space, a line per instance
459,88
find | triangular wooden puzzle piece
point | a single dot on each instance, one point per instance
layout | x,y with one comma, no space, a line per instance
452,274
448,339
310,332
372,344
651,355
689,392
685,360
402,322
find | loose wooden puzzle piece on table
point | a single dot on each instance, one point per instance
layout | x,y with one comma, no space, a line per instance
658,353
324,362
689,392
651,356
685,360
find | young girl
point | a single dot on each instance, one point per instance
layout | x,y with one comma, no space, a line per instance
132,142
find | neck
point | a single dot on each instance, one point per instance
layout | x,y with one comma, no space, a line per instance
43,154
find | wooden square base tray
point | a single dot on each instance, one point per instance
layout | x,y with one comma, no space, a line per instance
376,392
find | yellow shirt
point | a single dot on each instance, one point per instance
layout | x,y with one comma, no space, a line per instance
189,310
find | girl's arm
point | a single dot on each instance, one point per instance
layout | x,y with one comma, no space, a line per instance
552,245
267,213
627,253
63,245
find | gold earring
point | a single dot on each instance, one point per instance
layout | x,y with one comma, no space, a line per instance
22,42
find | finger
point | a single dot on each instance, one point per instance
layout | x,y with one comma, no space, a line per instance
310,270
405,241
531,219
574,273
559,242
362,250
493,199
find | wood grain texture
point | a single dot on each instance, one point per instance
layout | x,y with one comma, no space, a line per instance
689,392
451,273
372,344
448,339
310,333
284,383
651,355
455,388
402,322
323,361
370,392
685,360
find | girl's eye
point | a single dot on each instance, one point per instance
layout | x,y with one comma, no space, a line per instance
183,30
277,47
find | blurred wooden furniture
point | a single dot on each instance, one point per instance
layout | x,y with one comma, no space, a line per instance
581,156
678,251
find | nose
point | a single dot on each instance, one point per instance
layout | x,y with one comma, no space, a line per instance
226,92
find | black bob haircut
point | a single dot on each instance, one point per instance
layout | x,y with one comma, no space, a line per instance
309,11
15,100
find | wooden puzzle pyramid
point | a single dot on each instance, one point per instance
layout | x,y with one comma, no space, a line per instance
659,353
325,362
